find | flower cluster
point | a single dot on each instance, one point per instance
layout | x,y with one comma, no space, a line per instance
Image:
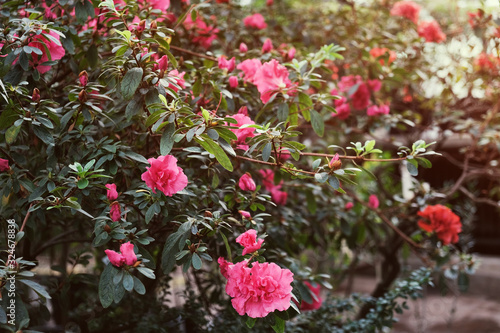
127,255
165,175
441,220
258,289
279,197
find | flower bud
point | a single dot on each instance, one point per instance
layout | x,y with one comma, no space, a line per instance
82,96
243,48
140,27
107,228
36,95
335,163
233,82
153,27
4,164
208,214
268,46
84,78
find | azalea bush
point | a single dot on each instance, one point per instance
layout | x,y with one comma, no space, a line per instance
257,153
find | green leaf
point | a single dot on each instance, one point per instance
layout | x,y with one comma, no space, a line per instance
283,112
266,152
317,123
171,247
139,286
167,139
137,157
38,288
131,82
279,326
321,177
196,261
128,282
412,167
83,183
251,322
214,149
43,134
150,213
424,162
11,134
228,248
147,272
133,107
92,56
106,286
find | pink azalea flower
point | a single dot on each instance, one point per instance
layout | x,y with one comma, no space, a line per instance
55,49
202,33
343,111
348,81
249,67
243,48
127,255
4,165
115,211
243,110
165,175
375,110
271,77
431,31
112,194
316,304
233,82
246,183
83,77
224,266
348,206
162,63
373,201
408,9
155,4
242,133
268,46
245,214
255,21
249,241
374,85
259,290
226,64
291,53
268,179
178,78
279,197
361,98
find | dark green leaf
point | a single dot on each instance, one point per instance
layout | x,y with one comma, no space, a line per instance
131,82
317,123
106,286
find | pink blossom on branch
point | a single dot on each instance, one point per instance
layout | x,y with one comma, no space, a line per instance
271,78
373,201
127,255
245,214
226,64
249,68
279,197
317,301
246,183
242,133
178,78
431,31
255,21
165,175
112,194
115,211
4,165
259,290
408,9
233,82
243,48
249,241
375,110
268,46
54,48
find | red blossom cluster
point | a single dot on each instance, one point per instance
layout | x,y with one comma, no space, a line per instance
442,221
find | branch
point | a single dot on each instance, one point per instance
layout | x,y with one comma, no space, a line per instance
480,200
180,49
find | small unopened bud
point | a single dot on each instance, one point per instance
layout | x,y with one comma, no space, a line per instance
163,65
140,27
208,214
137,263
153,27
36,95
335,163
82,96
84,78
107,228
